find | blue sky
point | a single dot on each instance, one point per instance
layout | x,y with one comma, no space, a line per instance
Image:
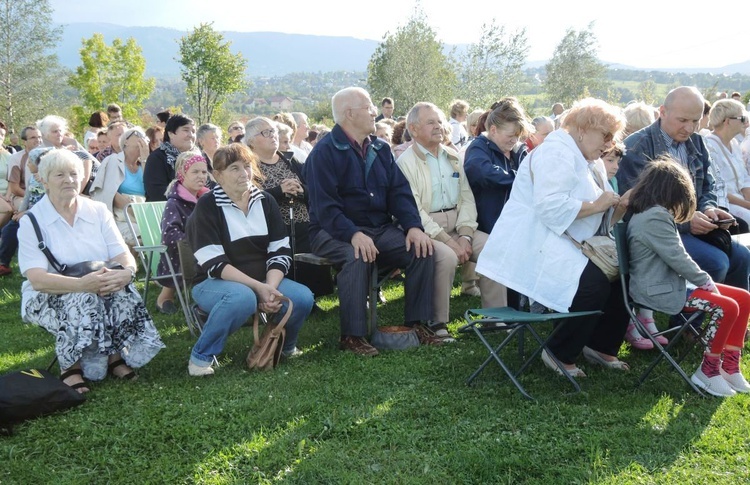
689,37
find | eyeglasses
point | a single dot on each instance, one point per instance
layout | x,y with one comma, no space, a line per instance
371,108
742,118
268,133
236,128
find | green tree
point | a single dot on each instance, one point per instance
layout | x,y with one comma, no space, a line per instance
492,67
28,68
575,69
210,70
111,74
647,91
410,66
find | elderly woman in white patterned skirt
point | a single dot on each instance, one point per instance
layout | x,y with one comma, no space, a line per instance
99,321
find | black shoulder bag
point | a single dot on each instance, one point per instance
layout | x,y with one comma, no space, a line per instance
77,270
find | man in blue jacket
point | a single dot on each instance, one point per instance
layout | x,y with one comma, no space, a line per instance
361,211
675,133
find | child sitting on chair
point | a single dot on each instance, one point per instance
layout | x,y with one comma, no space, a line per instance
659,266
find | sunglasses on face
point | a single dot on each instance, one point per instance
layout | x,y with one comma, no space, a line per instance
742,118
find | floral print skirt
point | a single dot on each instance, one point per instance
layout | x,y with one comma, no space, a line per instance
90,328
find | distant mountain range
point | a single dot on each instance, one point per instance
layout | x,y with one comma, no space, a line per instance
269,53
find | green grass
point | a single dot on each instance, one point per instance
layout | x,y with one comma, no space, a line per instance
403,417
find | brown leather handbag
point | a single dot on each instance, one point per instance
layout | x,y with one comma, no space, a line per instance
266,351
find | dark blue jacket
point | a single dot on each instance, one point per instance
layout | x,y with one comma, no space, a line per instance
490,175
342,199
647,144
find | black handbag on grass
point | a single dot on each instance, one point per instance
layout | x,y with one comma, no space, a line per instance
32,393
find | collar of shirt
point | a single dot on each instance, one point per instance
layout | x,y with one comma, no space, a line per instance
361,149
84,211
223,200
427,152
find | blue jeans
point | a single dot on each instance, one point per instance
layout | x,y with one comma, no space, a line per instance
230,304
732,271
8,242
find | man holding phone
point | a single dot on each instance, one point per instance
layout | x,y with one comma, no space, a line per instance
674,133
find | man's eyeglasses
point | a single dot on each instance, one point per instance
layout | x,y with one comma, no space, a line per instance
269,133
742,118
370,108
236,128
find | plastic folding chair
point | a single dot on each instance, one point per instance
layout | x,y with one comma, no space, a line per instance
687,324
515,322
147,216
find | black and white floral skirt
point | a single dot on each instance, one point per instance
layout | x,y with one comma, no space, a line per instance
90,328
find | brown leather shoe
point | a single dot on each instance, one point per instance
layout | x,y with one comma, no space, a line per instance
426,336
358,345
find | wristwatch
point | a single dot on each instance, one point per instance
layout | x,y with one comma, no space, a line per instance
132,274
470,239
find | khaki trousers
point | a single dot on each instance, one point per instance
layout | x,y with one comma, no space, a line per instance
493,294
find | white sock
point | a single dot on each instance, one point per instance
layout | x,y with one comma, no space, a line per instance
645,314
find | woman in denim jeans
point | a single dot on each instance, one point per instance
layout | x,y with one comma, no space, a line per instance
243,253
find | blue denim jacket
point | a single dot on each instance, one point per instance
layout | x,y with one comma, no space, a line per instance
647,144
348,192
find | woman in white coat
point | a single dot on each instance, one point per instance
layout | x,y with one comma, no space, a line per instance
561,188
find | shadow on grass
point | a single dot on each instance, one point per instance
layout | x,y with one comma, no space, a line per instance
404,417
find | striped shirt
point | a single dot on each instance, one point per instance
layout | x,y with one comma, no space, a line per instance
220,233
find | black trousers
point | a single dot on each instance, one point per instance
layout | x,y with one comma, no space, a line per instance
603,333
354,278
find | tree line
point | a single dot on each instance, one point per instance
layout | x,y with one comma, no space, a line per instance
409,65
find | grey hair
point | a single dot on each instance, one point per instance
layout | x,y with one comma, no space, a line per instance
128,132
412,118
253,127
204,129
45,124
540,120
284,128
342,101
56,159
299,117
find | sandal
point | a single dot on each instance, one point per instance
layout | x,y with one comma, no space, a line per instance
78,386
114,365
551,364
593,356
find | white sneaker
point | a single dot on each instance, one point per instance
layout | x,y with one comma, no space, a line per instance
716,385
471,291
292,354
736,381
196,370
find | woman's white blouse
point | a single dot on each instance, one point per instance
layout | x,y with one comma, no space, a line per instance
527,249
93,237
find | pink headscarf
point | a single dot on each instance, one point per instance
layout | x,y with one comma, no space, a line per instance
189,163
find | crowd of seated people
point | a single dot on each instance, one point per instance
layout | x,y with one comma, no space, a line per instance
495,191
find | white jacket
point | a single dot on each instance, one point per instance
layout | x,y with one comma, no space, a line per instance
527,249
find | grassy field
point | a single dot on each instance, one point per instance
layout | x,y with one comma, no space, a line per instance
403,417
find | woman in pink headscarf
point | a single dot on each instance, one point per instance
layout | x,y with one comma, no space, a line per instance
191,172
